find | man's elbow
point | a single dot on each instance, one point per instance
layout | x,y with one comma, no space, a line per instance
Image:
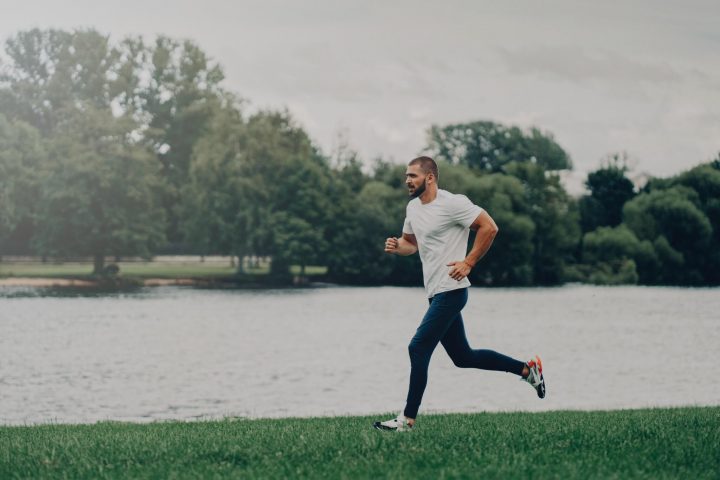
493,230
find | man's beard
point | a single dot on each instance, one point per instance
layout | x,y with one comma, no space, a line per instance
419,190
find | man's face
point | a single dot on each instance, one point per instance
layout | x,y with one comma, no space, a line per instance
416,180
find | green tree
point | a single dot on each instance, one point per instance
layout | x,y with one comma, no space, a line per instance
177,104
219,201
556,220
258,187
613,255
97,192
681,233
489,146
53,72
22,155
705,180
295,179
609,190
170,89
360,224
295,241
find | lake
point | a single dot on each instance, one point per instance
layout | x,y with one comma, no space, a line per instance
184,353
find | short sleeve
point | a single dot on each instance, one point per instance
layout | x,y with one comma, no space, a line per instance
464,212
407,228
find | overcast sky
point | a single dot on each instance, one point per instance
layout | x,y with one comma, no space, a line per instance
635,76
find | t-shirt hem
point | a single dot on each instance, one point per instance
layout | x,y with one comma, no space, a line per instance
450,289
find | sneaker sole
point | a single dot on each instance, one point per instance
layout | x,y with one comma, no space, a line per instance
383,428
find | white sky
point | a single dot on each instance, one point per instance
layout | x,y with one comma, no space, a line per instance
639,76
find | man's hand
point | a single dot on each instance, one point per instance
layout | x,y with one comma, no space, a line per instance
391,245
459,270
407,245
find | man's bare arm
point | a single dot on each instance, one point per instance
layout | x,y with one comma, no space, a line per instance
486,230
407,245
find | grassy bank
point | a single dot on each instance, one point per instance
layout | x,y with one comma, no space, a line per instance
185,269
661,443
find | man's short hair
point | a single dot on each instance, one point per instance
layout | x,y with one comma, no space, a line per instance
427,165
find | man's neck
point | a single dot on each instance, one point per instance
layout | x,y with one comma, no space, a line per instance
429,194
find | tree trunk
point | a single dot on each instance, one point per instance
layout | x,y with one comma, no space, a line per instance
302,270
98,264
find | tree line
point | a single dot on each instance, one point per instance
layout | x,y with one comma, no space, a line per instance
136,148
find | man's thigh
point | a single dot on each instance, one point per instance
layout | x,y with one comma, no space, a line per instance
443,310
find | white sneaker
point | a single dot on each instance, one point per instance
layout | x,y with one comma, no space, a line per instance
397,424
535,376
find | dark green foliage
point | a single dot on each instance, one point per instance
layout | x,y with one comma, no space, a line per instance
609,189
670,231
662,443
489,146
98,192
177,104
364,220
21,156
556,221
681,233
609,256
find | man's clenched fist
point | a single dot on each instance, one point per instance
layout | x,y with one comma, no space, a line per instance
391,245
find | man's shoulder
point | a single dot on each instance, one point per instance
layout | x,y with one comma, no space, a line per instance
451,198
412,204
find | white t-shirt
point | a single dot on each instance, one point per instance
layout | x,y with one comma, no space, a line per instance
441,228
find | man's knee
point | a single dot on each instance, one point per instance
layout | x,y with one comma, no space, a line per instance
461,361
416,350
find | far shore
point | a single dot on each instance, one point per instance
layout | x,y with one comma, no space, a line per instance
74,282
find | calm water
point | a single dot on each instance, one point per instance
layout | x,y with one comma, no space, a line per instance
182,353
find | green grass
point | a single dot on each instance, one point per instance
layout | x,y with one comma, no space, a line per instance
140,270
48,270
658,443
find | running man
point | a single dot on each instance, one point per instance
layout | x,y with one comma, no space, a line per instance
437,224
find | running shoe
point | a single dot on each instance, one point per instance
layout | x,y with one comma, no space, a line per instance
535,376
397,424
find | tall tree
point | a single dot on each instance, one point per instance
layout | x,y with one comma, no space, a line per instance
609,190
177,104
360,224
170,89
53,72
489,146
556,220
98,191
222,202
260,187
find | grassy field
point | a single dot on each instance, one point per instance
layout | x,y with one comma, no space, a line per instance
139,269
659,443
